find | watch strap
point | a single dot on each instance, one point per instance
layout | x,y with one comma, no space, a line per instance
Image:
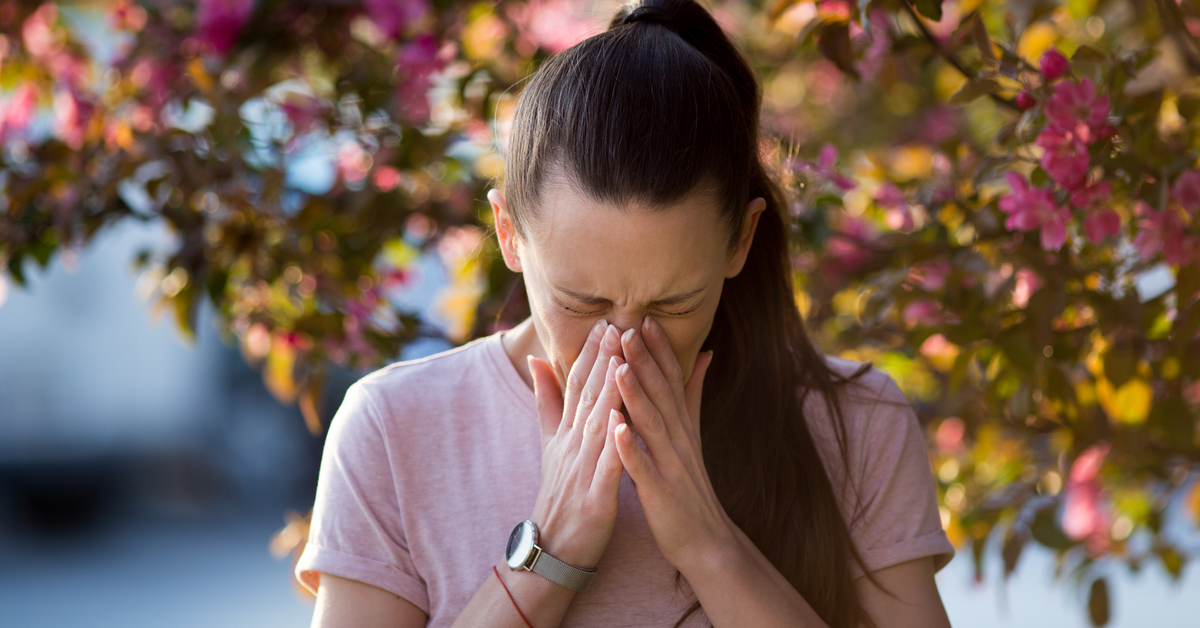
560,573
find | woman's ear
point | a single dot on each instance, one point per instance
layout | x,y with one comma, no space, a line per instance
505,231
738,258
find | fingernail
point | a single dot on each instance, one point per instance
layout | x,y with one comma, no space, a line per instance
612,367
651,326
610,338
623,370
596,329
629,336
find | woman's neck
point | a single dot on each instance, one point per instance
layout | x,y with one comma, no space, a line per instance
521,341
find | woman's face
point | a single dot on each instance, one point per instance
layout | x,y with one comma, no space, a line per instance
586,261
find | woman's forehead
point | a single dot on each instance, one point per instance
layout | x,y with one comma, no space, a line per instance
578,236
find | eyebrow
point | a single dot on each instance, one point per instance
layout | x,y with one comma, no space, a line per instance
595,300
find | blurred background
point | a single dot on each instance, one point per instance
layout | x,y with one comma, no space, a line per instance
216,215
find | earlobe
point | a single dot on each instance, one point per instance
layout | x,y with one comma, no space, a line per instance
505,232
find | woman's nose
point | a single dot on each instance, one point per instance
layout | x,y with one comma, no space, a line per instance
624,322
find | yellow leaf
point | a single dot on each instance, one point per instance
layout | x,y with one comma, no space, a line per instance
1129,404
199,75
1035,40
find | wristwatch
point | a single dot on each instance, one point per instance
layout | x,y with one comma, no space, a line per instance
523,553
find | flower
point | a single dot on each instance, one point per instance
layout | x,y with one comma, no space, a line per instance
418,61
218,22
391,16
1100,222
1075,108
72,115
1083,516
1025,100
1028,283
1065,159
824,167
1029,208
1053,64
1163,231
1187,191
17,110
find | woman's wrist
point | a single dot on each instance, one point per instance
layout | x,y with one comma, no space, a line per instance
543,602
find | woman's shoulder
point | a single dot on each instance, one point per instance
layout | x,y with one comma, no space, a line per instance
447,375
872,388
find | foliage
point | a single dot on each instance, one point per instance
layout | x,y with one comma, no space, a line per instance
1014,233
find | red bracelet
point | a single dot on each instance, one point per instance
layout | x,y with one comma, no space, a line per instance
510,597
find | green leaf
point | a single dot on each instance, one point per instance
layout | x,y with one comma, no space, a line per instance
1087,54
931,9
834,42
1098,610
974,89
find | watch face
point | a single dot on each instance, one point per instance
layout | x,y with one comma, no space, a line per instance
520,543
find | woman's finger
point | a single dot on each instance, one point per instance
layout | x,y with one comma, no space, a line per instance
610,345
693,390
644,414
592,439
664,356
608,465
635,460
650,377
580,370
549,397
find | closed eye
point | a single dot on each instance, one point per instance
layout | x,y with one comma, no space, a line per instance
569,308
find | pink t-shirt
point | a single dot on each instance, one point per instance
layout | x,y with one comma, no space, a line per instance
430,463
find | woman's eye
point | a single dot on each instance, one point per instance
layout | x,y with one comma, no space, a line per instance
682,313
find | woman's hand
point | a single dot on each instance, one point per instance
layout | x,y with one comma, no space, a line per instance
576,507
682,509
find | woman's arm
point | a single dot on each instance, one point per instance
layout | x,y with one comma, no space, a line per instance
342,602
738,586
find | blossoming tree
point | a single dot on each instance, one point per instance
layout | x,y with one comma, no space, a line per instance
998,203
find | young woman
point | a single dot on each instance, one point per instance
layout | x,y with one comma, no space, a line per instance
659,443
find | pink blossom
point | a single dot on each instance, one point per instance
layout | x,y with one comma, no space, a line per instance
824,167
880,46
37,31
72,115
1187,191
930,276
1029,208
922,313
1065,159
17,110
219,22
1076,109
1099,222
844,251
1053,64
418,61
386,178
391,16
554,25
1163,231
1083,515
1025,100
352,162
1028,283
949,435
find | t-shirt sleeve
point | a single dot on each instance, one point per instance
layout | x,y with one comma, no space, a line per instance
900,520
356,530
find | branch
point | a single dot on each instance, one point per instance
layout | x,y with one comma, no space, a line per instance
950,57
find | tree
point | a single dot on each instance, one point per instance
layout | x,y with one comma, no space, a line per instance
1014,234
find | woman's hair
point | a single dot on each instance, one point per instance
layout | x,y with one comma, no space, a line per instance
646,112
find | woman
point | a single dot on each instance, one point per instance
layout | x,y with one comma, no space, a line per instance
695,460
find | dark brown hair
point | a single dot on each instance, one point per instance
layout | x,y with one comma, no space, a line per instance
644,113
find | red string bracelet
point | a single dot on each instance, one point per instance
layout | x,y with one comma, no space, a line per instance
510,597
